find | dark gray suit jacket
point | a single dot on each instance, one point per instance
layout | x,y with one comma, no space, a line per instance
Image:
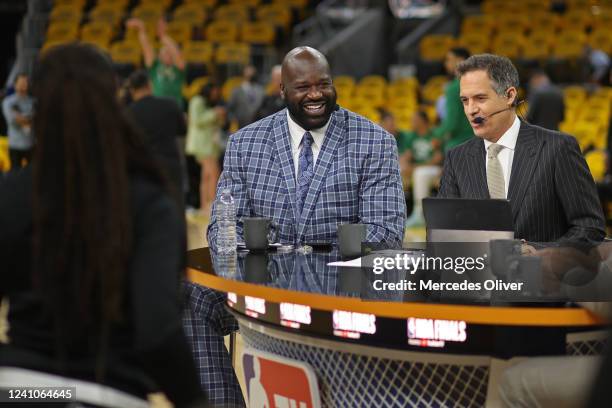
552,193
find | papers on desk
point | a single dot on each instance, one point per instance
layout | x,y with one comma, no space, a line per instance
384,253
353,262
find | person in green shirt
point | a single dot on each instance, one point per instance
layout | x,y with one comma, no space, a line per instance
167,70
455,127
420,150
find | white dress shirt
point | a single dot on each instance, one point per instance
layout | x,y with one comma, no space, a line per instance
297,132
506,155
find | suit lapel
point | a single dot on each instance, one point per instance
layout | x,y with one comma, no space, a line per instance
283,150
333,136
478,172
525,160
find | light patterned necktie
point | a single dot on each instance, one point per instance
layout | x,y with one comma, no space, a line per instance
495,174
305,169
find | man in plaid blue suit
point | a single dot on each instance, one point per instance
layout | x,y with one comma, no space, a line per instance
309,168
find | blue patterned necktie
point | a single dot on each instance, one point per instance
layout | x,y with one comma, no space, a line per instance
305,169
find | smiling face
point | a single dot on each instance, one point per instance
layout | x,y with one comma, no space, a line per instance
479,99
307,89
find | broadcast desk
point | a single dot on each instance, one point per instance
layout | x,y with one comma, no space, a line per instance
372,348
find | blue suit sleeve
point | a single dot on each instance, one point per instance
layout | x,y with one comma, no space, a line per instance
382,206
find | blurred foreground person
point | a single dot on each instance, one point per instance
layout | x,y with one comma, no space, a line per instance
93,248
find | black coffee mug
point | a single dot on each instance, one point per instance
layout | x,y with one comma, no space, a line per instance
259,232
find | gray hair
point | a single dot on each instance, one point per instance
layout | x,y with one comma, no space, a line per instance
501,71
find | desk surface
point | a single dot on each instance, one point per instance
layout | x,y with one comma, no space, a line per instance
308,280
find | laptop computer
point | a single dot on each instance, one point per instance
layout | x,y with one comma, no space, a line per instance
467,220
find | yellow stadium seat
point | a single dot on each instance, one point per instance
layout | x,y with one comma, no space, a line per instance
257,33
163,4
195,87
432,90
344,81
603,19
148,12
570,50
596,160
233,53
373,81
249,3
62,31
233,12
222,31
543,21
577,20
276,14
229,85
511,23
107,13
586,133
578,4
435,46
125,52
475,43
198,52
192,13
5,162
574,92
65,13
375,96
179,31
296,4
510,50
120,4
396,92
500,8
96,30
477,24
408,82
131,34
530,6
72,3
205,3
601,39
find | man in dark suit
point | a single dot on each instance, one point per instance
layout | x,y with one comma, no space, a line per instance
162,122
546,106
551,191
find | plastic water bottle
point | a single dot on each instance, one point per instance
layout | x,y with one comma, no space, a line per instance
226,219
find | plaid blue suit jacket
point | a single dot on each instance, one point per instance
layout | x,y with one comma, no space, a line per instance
356,180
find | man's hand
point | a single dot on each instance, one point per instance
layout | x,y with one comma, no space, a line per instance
162,28
135,23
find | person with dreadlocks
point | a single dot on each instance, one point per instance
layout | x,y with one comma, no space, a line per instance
92,245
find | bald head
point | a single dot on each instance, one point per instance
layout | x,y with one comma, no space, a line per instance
307,88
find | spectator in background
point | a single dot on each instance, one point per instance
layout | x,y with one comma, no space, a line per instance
206,117
455,128
162,123
422,151
387,122
599,65
546,106
17,109
245,99
167,70
92,245
272,102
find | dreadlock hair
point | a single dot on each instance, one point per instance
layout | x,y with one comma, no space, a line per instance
86,151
